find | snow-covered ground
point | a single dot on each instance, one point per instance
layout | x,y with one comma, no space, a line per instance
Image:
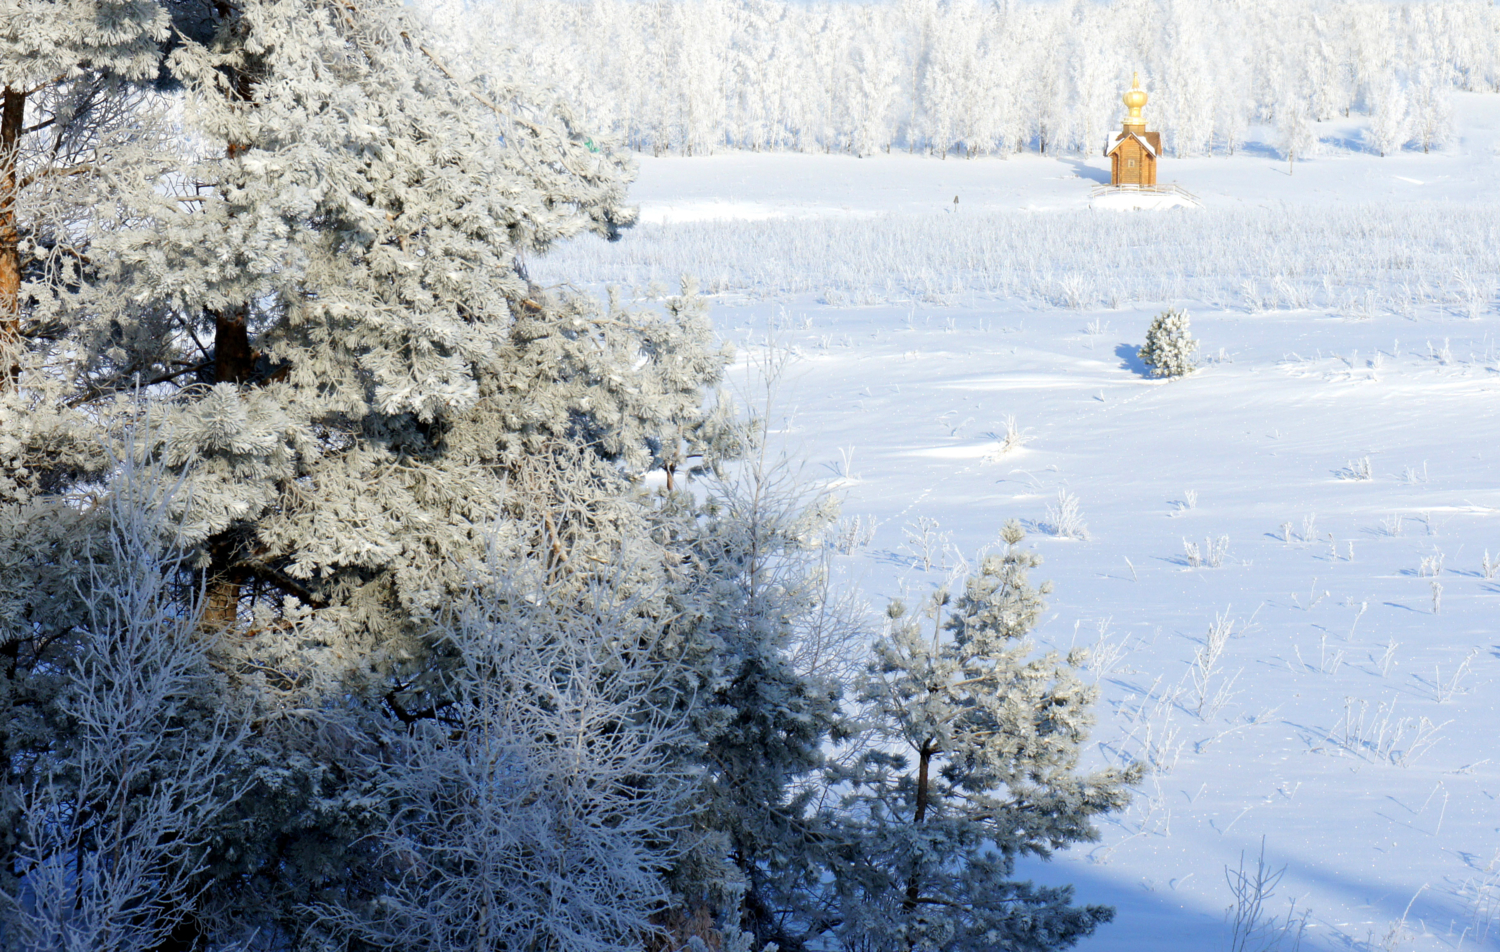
745,185
1326,486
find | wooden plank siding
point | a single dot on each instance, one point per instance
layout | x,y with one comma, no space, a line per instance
1132,163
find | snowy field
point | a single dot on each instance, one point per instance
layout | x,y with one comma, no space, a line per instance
1291,569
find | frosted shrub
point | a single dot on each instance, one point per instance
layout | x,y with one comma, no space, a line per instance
1432,565
1065,520
1013,438
926,544
1251,926
112,816
1206,667
1191,552
505,837
1169,345
1358,469
851,535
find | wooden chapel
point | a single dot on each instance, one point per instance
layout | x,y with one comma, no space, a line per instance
1134,154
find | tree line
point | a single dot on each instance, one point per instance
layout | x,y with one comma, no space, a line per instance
988,77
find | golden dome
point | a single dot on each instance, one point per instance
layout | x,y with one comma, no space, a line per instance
1135,99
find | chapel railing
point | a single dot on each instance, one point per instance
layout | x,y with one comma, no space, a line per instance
1171,188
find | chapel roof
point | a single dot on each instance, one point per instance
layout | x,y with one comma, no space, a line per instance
1126,136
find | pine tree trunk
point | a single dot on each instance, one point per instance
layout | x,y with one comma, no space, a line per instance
12,122
913,883
234,362
224,581
12,116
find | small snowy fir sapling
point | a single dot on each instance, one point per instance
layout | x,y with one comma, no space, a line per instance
975,755
1169,345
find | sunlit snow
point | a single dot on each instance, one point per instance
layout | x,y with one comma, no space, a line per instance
1336,454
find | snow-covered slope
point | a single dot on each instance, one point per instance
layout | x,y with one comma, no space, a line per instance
1325,490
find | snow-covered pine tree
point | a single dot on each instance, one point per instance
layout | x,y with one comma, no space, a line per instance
344,273
367,362
680,348
1169,345
974,760
318,292
768,637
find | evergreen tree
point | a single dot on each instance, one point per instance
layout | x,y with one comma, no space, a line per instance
974,762
765,631
318,296
1169,345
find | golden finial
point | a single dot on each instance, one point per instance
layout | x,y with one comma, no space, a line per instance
1135,99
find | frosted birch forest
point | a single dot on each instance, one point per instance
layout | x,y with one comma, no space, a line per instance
985,78
584,476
